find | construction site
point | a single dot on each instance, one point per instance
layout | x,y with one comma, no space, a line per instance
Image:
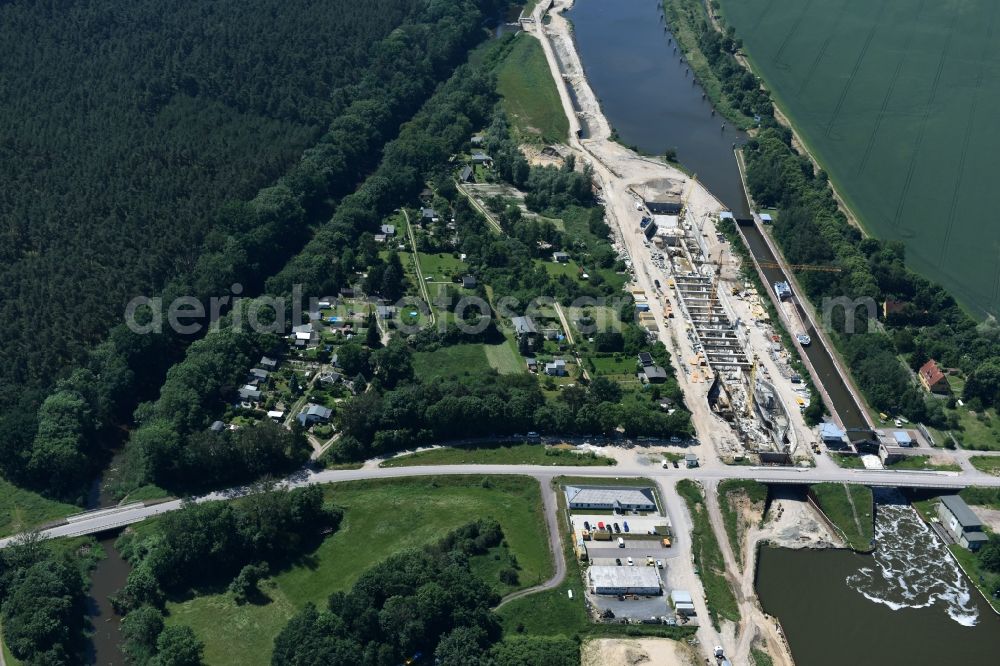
718,314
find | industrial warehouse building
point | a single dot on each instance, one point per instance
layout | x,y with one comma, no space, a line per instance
607,498
624,580
963,524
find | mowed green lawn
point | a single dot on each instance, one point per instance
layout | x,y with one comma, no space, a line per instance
22,509
468,361
897,100
454,361
381,517
529,93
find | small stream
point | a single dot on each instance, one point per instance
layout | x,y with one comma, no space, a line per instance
106,579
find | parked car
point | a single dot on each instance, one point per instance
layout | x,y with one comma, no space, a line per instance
586,525
618,561
618,530
659,564
631,562
625,526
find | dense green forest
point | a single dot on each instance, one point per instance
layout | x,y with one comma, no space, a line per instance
233,238
125,127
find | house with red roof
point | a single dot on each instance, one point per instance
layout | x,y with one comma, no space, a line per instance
933,379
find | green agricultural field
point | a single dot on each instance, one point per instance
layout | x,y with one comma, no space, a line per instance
23,509
529,93
380,518
897,100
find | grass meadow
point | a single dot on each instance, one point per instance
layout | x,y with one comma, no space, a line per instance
508,453
529,93
380,518
896,100
22,509
853,515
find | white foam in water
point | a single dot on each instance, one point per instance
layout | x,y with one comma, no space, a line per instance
914,568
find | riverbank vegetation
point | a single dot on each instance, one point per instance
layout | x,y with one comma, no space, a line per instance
503,453
735,92
742,503
43,590
205,546
530,97
850,509
708,559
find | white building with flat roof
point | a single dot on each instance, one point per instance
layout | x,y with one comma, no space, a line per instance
609,498
624,580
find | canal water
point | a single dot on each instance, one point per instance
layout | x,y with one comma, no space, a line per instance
819,357
907,603
652,100
649,95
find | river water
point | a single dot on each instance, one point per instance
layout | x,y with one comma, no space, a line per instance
107,578
907,603
649,95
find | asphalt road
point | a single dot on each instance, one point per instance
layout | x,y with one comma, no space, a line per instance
101,521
